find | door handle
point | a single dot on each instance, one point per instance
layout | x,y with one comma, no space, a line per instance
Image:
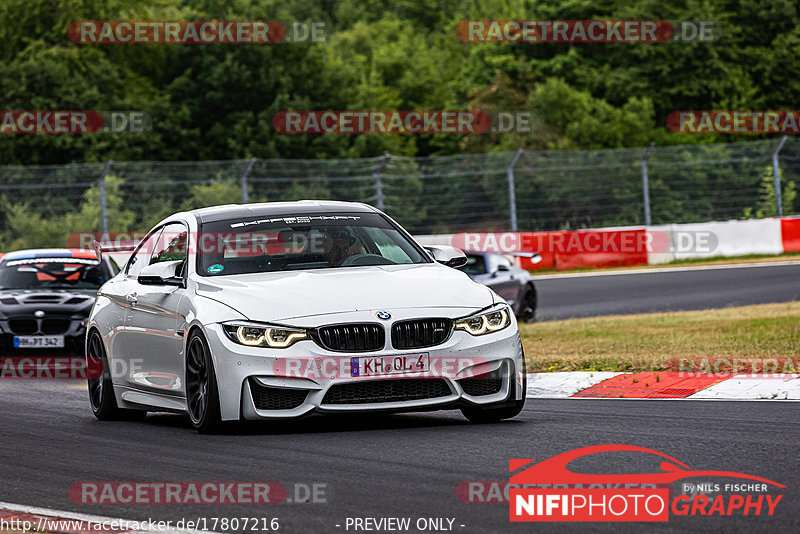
132,298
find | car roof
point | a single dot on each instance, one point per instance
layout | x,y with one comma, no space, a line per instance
301,207
34,253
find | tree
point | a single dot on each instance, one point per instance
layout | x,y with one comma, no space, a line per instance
214,193
767,205
27,228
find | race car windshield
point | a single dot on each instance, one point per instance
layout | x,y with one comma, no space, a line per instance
52,273
475,265
290,243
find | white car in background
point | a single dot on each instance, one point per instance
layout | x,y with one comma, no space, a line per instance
278,310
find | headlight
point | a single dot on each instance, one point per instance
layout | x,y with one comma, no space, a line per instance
485,322
256,335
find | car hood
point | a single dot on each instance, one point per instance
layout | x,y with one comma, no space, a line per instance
289,295
60,301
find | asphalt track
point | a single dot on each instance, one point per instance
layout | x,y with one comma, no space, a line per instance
647,291
410,465
390,466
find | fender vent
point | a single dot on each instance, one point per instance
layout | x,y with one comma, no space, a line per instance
477,387
268,398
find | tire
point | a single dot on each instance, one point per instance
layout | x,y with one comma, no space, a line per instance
202,395
479,415
101,389
527,305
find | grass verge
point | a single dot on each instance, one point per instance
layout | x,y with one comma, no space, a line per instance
653,342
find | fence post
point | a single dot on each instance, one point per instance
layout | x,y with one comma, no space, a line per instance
512,191
243,180
776,174
646,186
380,199
102,183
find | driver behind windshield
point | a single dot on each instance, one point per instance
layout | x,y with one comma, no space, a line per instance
334,245
51,273
303,243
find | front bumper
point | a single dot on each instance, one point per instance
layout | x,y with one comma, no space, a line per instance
259,383
73,331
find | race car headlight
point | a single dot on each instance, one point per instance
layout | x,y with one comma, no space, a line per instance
253,335
485,322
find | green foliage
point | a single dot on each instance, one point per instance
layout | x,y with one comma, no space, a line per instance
26,228
767,205
217,101
212,194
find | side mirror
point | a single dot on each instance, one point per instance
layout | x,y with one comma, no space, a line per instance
449,256
535,257
161,274
500,269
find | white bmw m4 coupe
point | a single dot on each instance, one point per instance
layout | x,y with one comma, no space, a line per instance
280,310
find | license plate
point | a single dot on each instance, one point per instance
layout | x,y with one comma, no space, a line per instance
38,342
390,365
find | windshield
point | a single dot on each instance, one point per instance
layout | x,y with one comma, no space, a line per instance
52,273
475,265
316,241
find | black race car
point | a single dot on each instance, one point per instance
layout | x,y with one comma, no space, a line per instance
500,272
45,296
